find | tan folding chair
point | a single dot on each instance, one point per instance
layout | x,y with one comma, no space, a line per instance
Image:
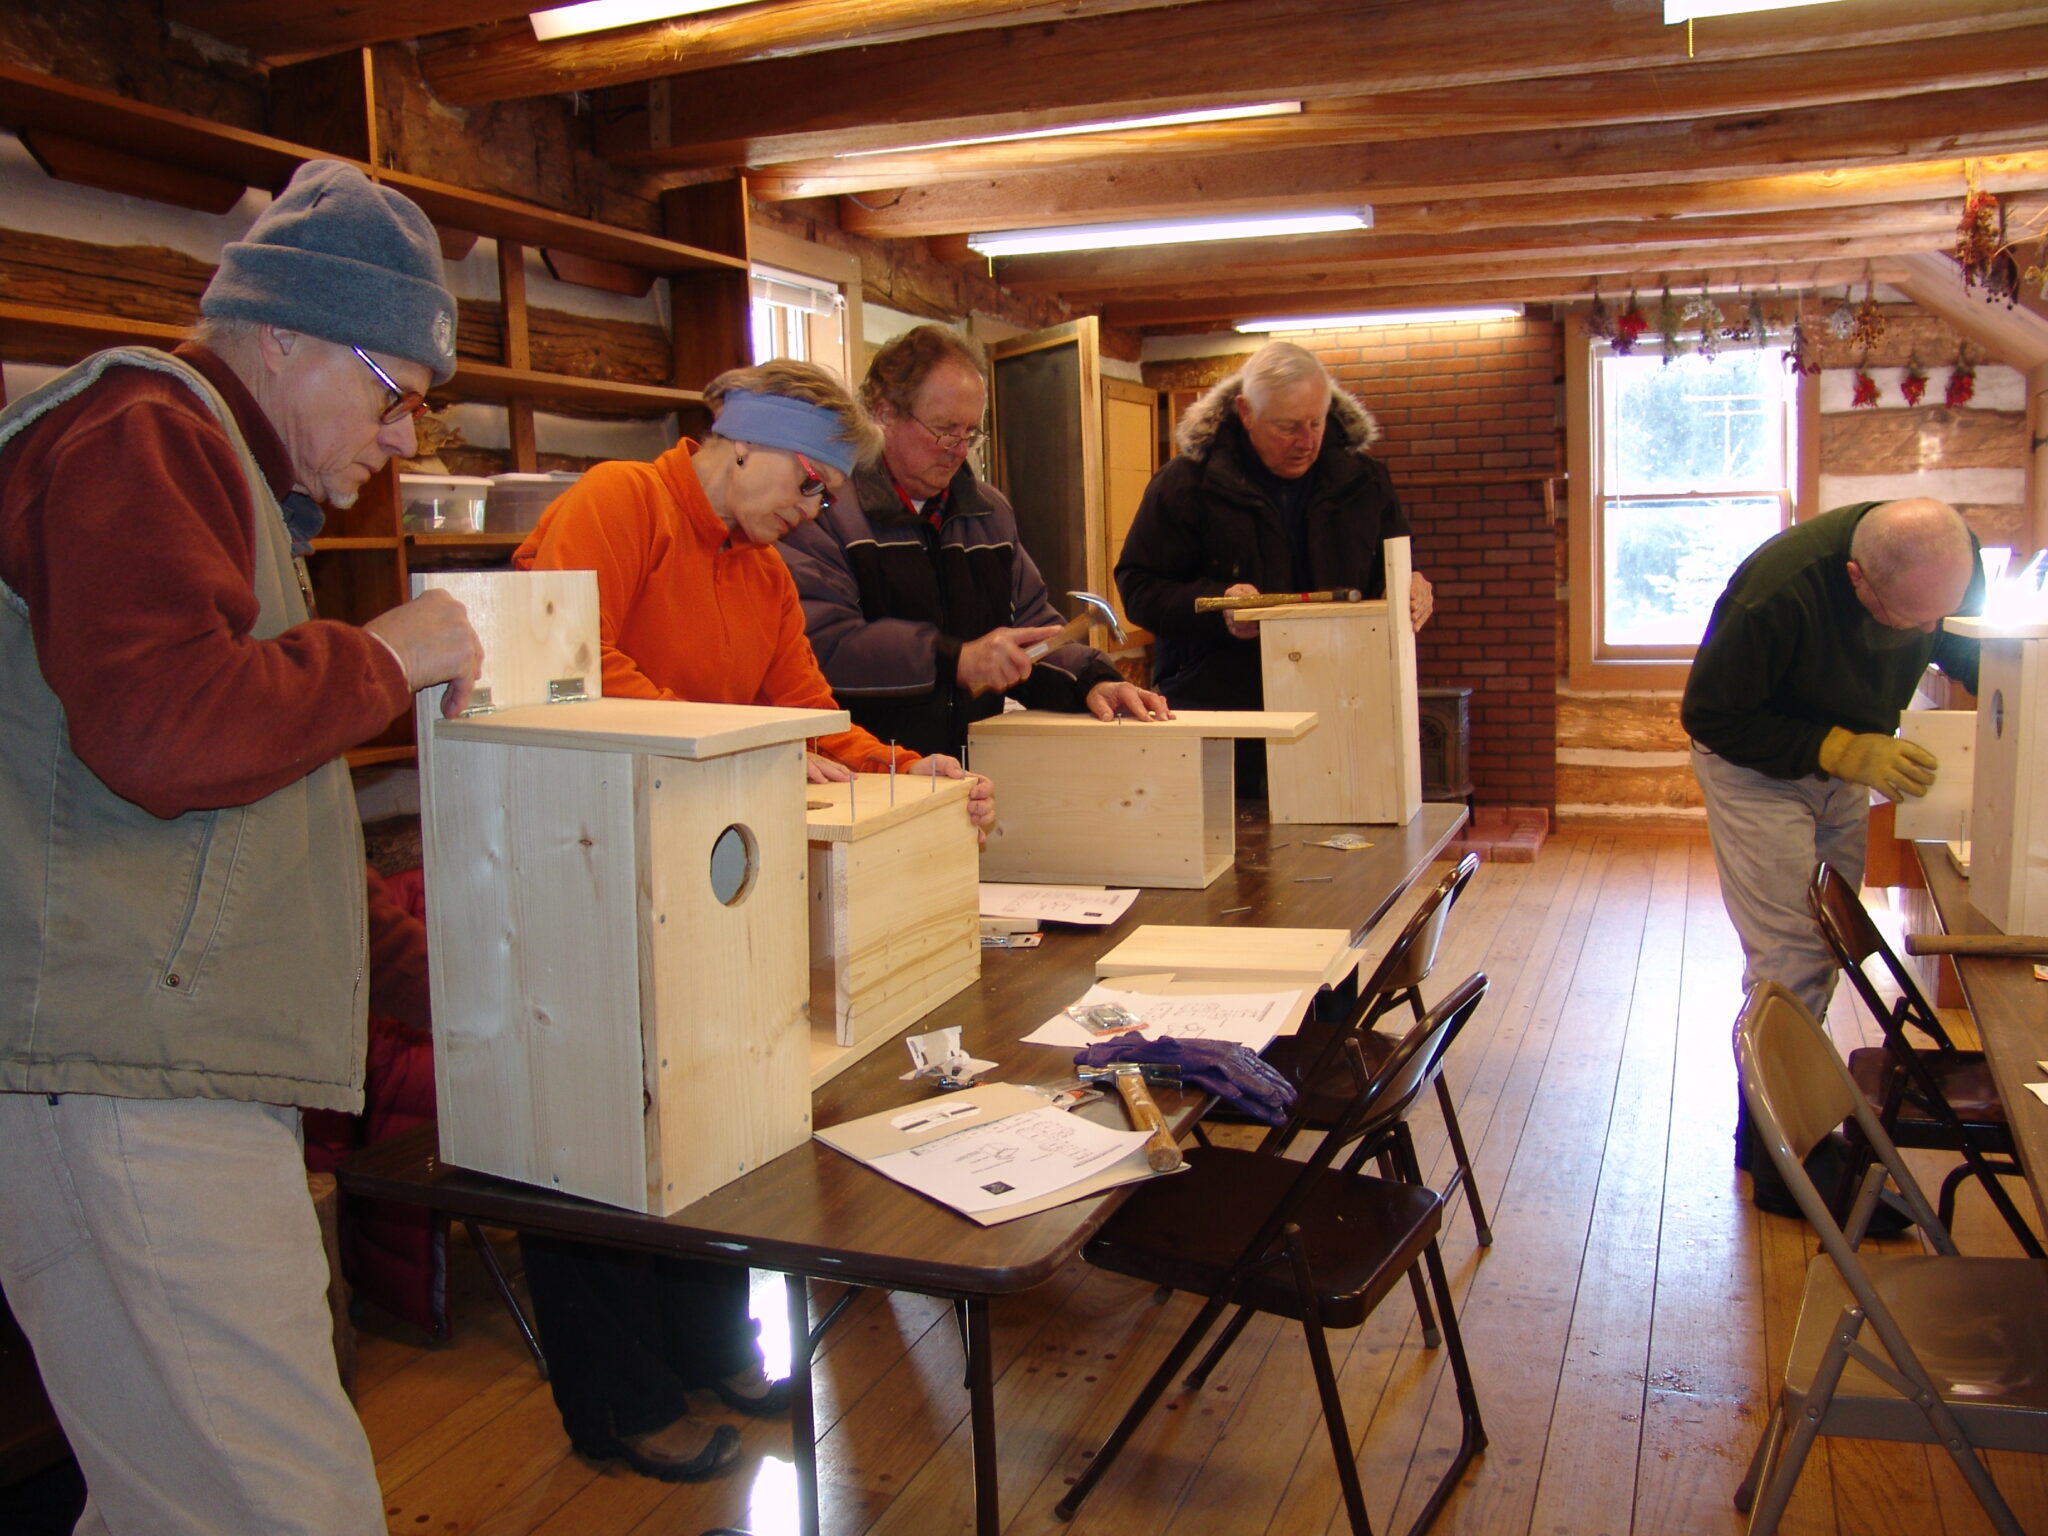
1936,1349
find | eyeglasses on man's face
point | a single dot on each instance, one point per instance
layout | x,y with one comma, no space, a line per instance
403,402
953,442
813,483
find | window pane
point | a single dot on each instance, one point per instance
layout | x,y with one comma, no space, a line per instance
1666,562
1694,424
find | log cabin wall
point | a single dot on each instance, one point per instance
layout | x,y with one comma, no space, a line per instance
1470,416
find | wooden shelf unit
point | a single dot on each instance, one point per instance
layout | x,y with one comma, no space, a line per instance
364,562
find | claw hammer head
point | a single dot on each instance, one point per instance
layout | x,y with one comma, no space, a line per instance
1094,611
1101,612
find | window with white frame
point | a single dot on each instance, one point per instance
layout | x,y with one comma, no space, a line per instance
797,316
1689,465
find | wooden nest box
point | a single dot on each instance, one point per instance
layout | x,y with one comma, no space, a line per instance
616,914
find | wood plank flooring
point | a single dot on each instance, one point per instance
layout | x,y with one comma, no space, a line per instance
1623,1326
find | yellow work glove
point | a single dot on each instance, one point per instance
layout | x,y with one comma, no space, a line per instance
1888,765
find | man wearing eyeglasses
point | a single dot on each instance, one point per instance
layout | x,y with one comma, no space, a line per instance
185,938
1792,702
1274,489
920,601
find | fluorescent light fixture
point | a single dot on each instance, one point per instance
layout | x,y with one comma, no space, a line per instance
1689,10
1112,237
603,15
1468,314
1115,125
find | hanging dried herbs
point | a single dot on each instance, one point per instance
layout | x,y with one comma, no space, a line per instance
1913,382
1842,318
1629,326
1962,380
1868,331
1800,353
1600,325
1671,325
1865,390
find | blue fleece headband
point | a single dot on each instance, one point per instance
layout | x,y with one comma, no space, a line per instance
779,421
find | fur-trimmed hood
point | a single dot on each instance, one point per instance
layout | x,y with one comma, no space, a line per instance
1196,433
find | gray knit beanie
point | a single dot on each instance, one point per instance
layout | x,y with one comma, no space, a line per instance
339,257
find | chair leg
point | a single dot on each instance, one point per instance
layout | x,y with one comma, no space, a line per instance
1398,1162
1326,1388
1473,1439
496,1271
1219,1349
1760,1463
1987,1174
1463,1161
1134,1415
1945,1202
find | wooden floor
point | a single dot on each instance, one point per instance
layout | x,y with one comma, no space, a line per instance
1622,1326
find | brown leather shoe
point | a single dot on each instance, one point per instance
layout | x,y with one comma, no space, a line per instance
685,1451
751,1392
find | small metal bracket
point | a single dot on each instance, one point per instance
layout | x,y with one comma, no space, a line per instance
567,690
479,702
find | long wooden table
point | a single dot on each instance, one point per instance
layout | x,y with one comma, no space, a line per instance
813,1213
2010,1009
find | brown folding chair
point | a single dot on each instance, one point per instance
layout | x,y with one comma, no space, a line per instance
1303,1240
1932,1349
1318,1067
1934,1097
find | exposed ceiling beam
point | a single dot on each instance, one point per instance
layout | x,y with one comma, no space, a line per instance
285,34
1594,100
1205,314
510,62
2005,119
1224,50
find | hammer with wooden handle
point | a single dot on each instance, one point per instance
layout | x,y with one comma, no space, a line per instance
2013,946
1094,611
1273,600
1161,1153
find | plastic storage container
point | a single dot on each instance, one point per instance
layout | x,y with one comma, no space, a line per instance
443,503
517,500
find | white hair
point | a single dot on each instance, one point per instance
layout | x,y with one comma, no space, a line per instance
1896,537
1280,365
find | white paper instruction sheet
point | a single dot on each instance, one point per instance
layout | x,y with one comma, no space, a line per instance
1251,1019
1019,1158
1088,905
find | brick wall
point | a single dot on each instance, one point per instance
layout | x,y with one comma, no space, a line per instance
1471,429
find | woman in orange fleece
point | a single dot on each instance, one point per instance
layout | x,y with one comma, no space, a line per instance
693,603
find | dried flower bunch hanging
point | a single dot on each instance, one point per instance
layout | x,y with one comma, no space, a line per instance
1962,380
1707,315
1982,250
1599,317
1913,382
1754,330
1670,325
1864,392
1629,326
1842,318
1868,331
1800,353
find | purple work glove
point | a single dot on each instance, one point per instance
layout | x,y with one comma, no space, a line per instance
1241,1078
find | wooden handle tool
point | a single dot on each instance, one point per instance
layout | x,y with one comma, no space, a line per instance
2012,946
1274,600
1161,1153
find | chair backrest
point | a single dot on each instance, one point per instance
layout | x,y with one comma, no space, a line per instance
1412,956
1380,1103
1798,1091
1854,938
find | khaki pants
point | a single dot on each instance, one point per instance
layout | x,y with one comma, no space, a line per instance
164,1260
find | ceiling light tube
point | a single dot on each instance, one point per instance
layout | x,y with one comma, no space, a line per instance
1468,314
604,15
1114,125
1110,237
1676,11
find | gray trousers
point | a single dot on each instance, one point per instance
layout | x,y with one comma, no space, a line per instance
1768,835
164,1260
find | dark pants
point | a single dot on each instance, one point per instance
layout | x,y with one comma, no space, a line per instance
627,1335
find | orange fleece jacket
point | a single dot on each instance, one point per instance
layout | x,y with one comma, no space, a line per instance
683,611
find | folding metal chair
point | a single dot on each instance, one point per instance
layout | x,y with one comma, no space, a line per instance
1303,1240
1317,1064
1933,1349
1939,1098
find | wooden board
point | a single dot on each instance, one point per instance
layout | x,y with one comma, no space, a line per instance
1127,805
1083,732
2009,810
667,727
893,906
1943,813
538,628
1353,664
1307,957
726,985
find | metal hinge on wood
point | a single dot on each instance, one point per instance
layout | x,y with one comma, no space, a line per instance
561,690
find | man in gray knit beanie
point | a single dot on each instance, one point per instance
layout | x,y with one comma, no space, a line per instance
183,913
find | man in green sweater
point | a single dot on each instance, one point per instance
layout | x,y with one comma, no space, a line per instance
1792,705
